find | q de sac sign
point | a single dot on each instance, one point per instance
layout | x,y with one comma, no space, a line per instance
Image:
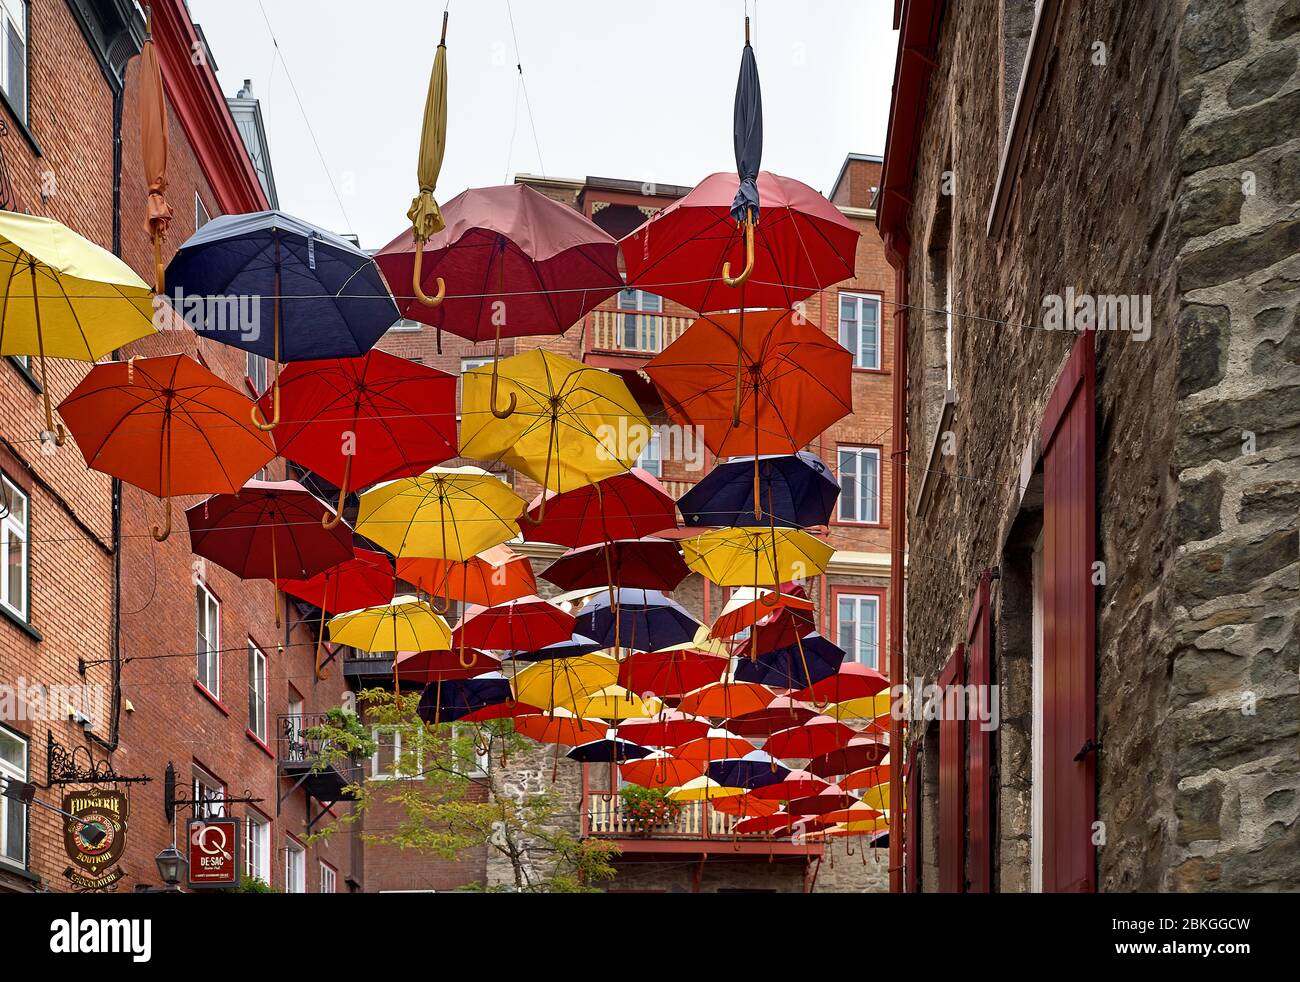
214,852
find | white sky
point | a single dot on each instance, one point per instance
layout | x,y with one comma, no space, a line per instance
638,89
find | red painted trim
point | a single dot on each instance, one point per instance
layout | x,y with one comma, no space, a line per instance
719,847
851,590
880,484
210,697
258,741
911,825
195,96
952,785
979,648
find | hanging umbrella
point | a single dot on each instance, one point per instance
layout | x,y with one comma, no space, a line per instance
153,147
702,789
644,620
745,806
564,682
794,491
747,138
573,647
446,512
510,709
753,770
811,659
426,218
793,786
717,744
819,735
648,564
355,421
747,608
831,798
493,577
852,681
572,424
608,750
868,777
669,673
519,263
780,713
514,625
446,701
877,796
787,627
660,770
632,505
756,556
320,295
856,813
65,297
405,624
859,752
726,698
616,703
862,708
668,729
422,667
777,823
167,426
560,726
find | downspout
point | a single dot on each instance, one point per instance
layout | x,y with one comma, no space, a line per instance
896,251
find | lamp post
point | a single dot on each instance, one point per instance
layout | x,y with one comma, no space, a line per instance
169,868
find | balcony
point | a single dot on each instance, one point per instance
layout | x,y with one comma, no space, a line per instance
697,820
305,760
367,668
632,332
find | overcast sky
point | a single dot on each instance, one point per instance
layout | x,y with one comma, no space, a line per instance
638,89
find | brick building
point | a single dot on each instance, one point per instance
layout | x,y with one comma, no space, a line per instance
852,598
1100,521
90,599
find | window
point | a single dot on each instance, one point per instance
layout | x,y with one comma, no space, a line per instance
859,485
860,328
257,848
640,331
295,868
201,216
328,879
257,691
14,518
255,369
210,795
13,56
207,639
650,460
467,365
13,813
857,623
482,751
389,762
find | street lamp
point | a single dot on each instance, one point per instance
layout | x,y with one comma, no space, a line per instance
169,868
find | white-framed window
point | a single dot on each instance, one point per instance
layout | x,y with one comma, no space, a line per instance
639,327
15,519
201,216
329,880
859,472
295,868
391,761
650,459
860,328
257,847
857,626
13,813
257,691
207,639
13,55
255,370
209,795
482,753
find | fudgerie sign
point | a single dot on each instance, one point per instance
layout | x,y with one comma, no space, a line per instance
75,935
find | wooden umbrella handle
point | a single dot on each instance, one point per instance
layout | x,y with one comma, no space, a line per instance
420,295
739,281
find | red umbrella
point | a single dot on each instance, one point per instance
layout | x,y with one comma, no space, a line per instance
744,612
669,673
647,564
819,735
852,681
514,262
780,713
797,784
518,625
494,576
660,770
774,824
560,726
626,506
868,777
669,728
784,629
801,244
745,806
860,752
501,710
356,421
266,529
831,798
423,667
717,744
726,698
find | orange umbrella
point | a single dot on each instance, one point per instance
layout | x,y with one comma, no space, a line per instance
495,576
746,806
749,608
868,777
168,426
153,147
661,770
717,744
726,698
560,726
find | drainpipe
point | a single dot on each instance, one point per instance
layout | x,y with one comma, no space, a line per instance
896,251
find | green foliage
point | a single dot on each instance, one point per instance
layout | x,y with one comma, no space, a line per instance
647,807
251,884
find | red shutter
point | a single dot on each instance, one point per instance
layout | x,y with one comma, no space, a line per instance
1068,440
979,652
912,824
952,793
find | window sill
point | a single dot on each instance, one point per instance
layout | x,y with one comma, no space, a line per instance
261,744
847,523
21,624
942,425
203,691
26,373
870,371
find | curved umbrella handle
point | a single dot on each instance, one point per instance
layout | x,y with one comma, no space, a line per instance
420,295
739,281
511,403
167,525
325,520
775,601
256,414
438,608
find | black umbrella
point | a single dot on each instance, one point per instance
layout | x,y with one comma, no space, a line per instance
747,135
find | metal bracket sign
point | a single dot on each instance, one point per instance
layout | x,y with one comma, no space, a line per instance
213,853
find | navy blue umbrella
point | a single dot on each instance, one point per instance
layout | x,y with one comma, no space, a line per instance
747,135
795,491
611,750
445,701
754,770
643,620
788,668
574,647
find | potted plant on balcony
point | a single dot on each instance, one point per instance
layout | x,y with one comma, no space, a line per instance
648,808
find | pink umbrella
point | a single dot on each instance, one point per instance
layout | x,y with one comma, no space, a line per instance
518,625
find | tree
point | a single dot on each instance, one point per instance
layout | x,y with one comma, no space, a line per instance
431,769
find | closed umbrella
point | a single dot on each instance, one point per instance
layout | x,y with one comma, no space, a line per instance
153,148
425,216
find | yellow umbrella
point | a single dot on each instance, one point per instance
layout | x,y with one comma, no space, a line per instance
864,825
616,703
65,297
756,556
444,513
425,216
877,797
863,708
702,788
573,425
564,682
406,624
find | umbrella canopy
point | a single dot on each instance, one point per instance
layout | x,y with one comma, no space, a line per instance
517,624
726,698
669,673
801,245
862,708
423,667
780,713
810,659
794,491
446,512
509,709
573,647
355,421
446,701
560,726
493,577
565,682
876,796
65,297
626,506
831,798
616,703
783,629
268,530
668,729
572,424
746,806
859,752
168,426
406,624
796,381
774,824
648,564
819,735
852,681
702,789
153,149
756,556
660,770
754,770
365,580
644,620
748,607
608,750
717,744
793,786
868,777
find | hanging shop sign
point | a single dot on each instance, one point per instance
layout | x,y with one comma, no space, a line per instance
213,852
94,836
